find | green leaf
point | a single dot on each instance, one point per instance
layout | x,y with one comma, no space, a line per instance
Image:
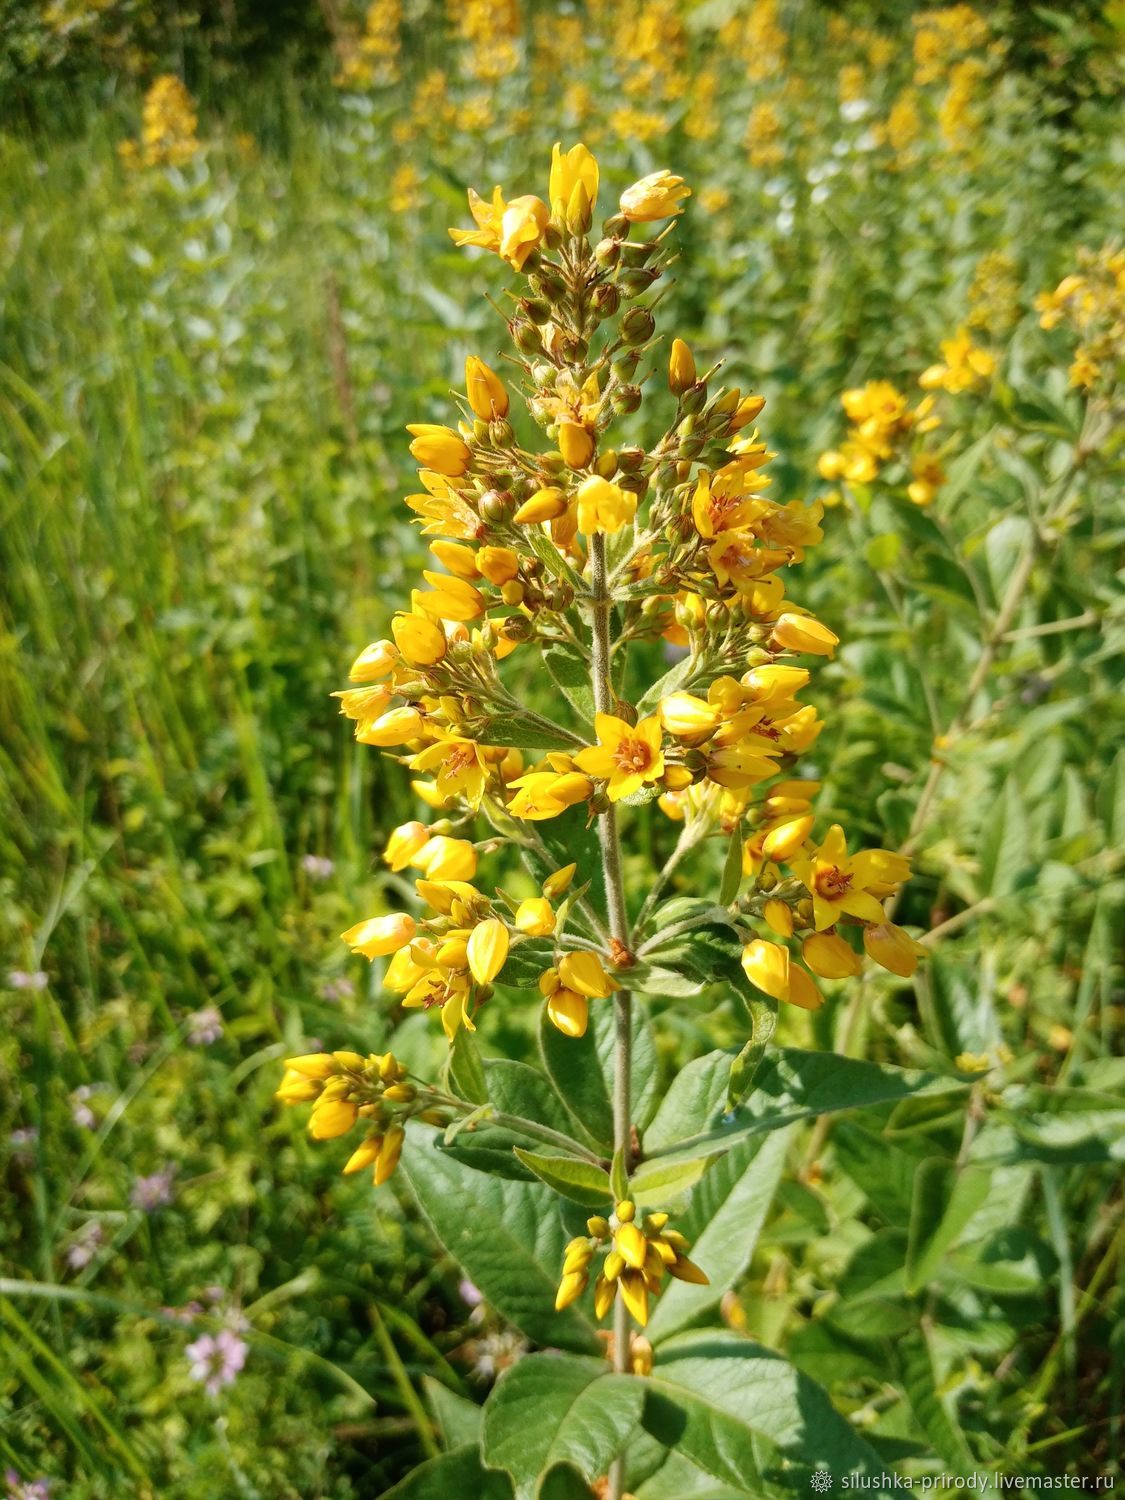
737,1411
466,1070
554,1409
619,1176
945,1199
518,1089
763,1019
790,1085
570,672
732,868
525,732
570,839
722,1218
506,1235
580,1181
883,551
458,1418
657,1183
581,1069
457,1473
1004,848
917,1374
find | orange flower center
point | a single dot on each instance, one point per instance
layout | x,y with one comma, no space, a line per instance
632,756
832,883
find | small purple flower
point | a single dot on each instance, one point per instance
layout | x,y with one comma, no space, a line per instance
205,1027
154,1191
85,1245
470,1294
80,1111
20,979
25,1489
216,1359
316,867
335,990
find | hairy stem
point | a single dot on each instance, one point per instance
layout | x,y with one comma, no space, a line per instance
601,606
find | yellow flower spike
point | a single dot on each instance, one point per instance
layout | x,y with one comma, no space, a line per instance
830,957
627,755
571,1287
488,950
689,718
681,368
779,918
767,965
404,843
439,448
459,559
485,390
379,936
634,1293
331,1118
584,971
843,885
558,883
573,188
317,1065
796,632
420,640
499,565
544,505
892,948
364,1155
568,1012
536,917
576,444
442,858
657,196
783,841
389,1153
374,661
604,507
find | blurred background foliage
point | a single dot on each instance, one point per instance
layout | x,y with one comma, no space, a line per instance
225,285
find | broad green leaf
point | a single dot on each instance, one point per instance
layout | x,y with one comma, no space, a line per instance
882,1169
1004,847
722,1218
554,1409
466,1070
790,1085
506,1234
580,1181
570,672
458,1418
678,1479
525,732
914,1360
737,1410
570,839
945,1200
957,1007
883,551
582,1070
656,1184
732,868
763,1019
517,1089
526,961
829,1353
452,1474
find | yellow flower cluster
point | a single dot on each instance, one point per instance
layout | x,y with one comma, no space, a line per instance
346,1089
959,114
963,366
882,424
372,58
168,125
636,1255
942,35
1090,303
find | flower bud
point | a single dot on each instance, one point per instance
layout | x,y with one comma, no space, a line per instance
576,443
379,936
568,1011
681,368
535,917
802,633
421,641
829,956
638,325
485,390
625,399
488,950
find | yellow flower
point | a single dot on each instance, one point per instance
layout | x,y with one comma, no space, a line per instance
373,662
485,390
546,794
778,918
802,633
536,917
459,766
499,565
512,230
689,718
404,843
488,950
892,948
656,196
785,838
827,954
568,1011
584,971
628,755
331,1117
965,365
296,1088
421,641
929,476
398,727
544,505
439,448
841,885
573,189
576,444
442,858
558,882
681,368
315,1065
604,507
767,965
381,935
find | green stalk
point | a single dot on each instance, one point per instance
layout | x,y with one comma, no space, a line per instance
601,605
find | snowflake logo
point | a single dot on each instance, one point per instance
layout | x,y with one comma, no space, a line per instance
821,1481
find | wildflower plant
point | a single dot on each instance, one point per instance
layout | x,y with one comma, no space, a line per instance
649,585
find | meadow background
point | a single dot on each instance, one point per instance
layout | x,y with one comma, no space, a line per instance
219,305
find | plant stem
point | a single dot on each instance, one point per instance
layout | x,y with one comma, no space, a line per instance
601,604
